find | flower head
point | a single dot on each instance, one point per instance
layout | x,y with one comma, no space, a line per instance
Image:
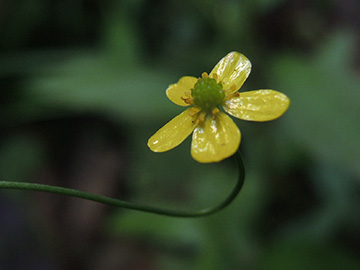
215,136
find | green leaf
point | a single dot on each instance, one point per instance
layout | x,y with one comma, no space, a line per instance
323,117
89,83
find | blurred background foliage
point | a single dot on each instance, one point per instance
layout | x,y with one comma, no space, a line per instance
82,87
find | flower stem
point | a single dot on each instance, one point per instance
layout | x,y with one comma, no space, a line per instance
129,205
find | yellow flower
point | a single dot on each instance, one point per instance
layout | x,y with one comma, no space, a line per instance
215,136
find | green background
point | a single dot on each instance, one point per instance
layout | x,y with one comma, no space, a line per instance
82,88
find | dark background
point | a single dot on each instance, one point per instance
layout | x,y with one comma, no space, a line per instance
82,88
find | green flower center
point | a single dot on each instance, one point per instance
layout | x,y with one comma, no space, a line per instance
207,93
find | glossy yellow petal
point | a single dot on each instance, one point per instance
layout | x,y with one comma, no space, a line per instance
258,105
215,140
181,89
173,133
232,71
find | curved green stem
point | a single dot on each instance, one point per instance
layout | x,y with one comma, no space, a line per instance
129,205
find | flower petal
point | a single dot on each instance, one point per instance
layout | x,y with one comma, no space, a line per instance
215,139
258,105
173,133
232,70
181,89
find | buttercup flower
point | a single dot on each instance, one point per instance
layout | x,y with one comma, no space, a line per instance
215,136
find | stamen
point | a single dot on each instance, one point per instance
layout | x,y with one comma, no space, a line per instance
204,75
215,76
194,111
237,94
215,112
201,117
233,88
188,100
